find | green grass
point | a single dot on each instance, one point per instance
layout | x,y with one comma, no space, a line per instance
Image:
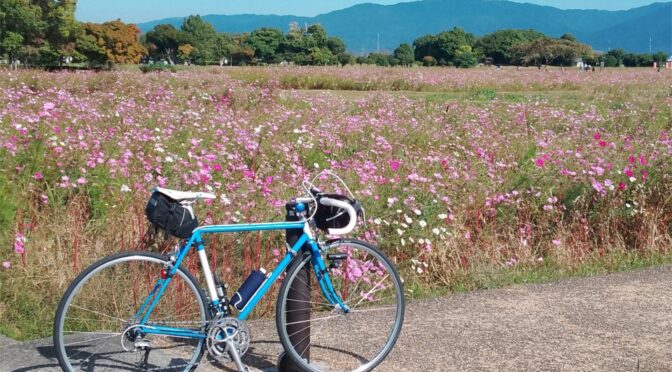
550,271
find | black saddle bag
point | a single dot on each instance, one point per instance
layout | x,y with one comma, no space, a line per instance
170,215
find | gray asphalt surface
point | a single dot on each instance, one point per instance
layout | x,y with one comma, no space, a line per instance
618,322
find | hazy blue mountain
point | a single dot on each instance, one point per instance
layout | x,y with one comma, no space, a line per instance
361,25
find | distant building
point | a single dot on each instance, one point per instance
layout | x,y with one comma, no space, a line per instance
668,63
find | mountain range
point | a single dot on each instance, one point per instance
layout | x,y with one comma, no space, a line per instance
369,27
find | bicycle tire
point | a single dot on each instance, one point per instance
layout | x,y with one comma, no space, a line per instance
328,343
81,285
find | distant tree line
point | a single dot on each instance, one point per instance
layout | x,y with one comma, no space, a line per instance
197,41
46,33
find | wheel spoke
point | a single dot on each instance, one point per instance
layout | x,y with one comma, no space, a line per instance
98,302
97,313
333,338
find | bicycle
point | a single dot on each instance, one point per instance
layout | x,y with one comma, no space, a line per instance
145,311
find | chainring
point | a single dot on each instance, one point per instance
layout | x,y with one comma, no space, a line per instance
227,327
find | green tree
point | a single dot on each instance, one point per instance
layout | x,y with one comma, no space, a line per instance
203,37
445,46
450,43
404,53
464,57
165,39
380,59
21,24
225,45
498,45
618,55
316,36
345,58
265,42
62,29
550,51
424,46
335,45
11,44
660,57
321,56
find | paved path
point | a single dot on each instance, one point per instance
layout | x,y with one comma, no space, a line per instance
619,322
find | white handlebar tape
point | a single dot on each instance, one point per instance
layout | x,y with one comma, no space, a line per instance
348,208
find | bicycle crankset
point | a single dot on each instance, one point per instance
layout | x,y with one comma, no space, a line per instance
226,329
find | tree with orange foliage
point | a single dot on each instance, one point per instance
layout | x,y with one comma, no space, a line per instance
117,42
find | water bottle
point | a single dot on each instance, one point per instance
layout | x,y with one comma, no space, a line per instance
247,290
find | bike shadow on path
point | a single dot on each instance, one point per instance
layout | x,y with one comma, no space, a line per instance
48,355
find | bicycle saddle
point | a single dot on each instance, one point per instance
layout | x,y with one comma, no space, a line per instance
184,195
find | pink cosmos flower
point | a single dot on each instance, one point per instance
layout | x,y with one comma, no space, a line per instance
6,264
597,136
540,162
19,243
394,165
38,176
597,185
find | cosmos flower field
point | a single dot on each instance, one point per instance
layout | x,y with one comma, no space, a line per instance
462,173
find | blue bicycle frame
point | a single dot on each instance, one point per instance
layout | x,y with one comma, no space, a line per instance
306,240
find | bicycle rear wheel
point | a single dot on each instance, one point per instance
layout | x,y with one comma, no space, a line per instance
324,337
96,322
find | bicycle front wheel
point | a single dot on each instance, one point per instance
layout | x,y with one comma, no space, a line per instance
96,325
318,335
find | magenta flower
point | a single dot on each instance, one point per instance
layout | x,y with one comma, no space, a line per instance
540,162
38,176
394,165
597,136
629,173
19,243
597,185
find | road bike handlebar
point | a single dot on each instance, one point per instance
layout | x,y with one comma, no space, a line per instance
328,202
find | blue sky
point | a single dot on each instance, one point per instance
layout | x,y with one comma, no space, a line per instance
147,10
